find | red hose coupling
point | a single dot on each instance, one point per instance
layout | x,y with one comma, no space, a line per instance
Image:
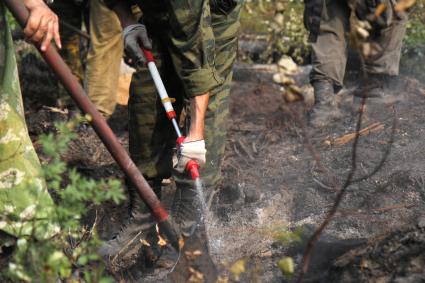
148,55
193,167
171,115
180,140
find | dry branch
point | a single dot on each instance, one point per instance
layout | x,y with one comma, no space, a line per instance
351,213
374,128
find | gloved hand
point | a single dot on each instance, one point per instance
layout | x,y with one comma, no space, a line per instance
136,36
190,151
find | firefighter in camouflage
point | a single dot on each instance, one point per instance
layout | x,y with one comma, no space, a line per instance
194,43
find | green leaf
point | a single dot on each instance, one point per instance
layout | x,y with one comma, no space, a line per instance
286,265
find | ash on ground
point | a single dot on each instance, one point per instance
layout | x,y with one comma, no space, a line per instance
272,184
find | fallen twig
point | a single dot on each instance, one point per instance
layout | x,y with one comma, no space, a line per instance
346,213
323,185
375,127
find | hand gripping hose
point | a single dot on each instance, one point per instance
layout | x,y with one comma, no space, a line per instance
102,129
192,166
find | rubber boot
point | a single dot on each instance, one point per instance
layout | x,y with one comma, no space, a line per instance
140,225
325,108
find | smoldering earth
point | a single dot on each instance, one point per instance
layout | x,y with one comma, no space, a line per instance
272,183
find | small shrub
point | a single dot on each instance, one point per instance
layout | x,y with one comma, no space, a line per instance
70,255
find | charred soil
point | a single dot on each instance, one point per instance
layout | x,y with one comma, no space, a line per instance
273,183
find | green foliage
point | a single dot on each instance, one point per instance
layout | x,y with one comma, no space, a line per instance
287,266
281,21
287,30
415,34
287,237
238,268
70,255
254,16
414,42
13,24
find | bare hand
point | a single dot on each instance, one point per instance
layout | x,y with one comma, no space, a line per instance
42,25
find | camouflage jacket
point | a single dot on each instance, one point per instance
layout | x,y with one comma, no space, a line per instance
188,30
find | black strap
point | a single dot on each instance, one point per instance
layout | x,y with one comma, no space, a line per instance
312,17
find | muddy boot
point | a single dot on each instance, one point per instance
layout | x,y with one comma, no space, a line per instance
186,210
186,213
325,109
140,226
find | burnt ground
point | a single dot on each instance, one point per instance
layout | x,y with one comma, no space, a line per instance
281,186
272,184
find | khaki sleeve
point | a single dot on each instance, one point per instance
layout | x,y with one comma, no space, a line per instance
193,45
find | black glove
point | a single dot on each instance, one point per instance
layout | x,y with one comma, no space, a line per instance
136,37
223,6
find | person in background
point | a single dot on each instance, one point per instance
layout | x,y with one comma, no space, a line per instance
328,22
104,57
194,43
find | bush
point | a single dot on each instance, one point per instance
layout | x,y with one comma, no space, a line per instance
281,22
414,42
70,255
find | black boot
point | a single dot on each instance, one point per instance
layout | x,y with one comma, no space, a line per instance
325,108
186,210
140,227
186,214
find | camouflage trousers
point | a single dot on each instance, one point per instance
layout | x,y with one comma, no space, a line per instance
22,187
152,137
329,53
